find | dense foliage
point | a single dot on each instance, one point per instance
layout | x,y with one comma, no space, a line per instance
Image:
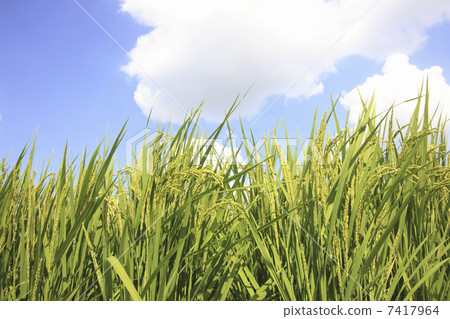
364,216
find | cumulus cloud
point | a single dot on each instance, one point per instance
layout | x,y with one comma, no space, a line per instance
400,81
208,49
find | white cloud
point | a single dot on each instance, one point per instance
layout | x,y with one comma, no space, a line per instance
216,49
399,82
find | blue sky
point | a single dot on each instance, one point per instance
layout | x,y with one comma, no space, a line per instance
61,75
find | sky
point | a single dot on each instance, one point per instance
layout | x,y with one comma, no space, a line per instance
73,71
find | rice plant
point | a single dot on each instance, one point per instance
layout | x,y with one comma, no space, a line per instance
368,221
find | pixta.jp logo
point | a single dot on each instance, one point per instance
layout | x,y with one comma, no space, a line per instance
231,151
